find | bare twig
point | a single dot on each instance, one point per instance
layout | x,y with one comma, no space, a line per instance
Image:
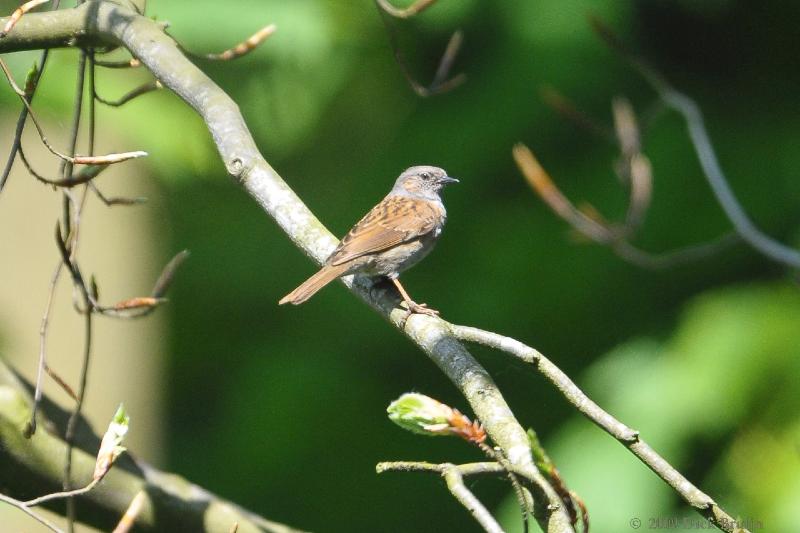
566,108
115,200
128,63
84,175
467,469
107,159
522,498
454,477
241,49
24,508
31,429
30,90
128,519
681,256
441,83
127,97
72,213
168,274
548,468
136,307
70,160
541,182
455,482
634,167
625,435
76,412
64,494
417,7
625,127
17,14
60,381
92,101
704,149
598,230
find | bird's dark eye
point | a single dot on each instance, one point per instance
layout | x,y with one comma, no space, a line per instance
426,175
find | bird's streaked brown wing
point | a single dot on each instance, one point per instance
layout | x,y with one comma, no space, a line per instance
395,220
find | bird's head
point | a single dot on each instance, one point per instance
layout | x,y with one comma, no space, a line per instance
422,181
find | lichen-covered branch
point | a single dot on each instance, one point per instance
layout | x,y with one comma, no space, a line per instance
34,467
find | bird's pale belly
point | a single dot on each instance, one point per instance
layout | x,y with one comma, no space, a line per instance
399,258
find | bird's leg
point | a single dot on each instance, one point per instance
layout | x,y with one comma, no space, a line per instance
411,305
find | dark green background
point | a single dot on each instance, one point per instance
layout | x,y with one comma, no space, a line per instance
283,409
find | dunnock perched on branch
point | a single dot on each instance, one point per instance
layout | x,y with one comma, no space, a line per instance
394,236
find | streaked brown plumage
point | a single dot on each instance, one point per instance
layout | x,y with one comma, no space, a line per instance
392,237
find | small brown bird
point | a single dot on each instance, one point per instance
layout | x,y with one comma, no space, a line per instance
394,236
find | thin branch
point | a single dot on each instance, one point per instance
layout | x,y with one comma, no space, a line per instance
417,7
136,307
70,160
548,468
64,494
455,482
72,213
24,508
115,200
634,167
168,274
92,101
60,381
128,519
681,256
37,397
567,108
128,63
701,142
541,182
76,412
134,93
31,86
84,175
601,232
625,435
441,82
18,13
467,469
454,476
241,49
522,498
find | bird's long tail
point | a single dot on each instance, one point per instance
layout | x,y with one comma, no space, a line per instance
313,284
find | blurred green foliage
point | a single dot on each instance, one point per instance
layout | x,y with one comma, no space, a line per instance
703,359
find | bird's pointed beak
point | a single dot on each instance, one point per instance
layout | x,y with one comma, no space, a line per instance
448,179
